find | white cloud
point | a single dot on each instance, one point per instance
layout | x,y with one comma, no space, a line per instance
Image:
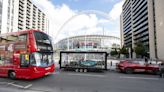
82,21
116,10
80,25
57,15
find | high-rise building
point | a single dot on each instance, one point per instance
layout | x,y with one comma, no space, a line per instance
0,14
21,15
141,21
159,28
121,29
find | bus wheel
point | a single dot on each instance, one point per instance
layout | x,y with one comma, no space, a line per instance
12,74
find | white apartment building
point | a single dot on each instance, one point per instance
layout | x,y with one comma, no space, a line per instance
143,21
21,15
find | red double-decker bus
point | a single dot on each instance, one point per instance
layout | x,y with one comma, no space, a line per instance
26,54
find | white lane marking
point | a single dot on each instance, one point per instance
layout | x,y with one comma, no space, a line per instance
90,75
19,86
16,85
30,85
6,83
10,83
139,78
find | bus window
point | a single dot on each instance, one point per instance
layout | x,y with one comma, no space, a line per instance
12,37
23,37
8,38
24,60
1,59
41,59
43,38
32,60
43,41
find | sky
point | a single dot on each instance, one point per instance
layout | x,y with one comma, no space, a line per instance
69,18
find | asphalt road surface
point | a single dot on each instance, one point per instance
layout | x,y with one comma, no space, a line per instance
66,81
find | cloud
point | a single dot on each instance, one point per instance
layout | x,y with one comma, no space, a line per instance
82,21
79,25
57,15
116,10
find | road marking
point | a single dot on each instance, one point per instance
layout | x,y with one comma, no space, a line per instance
90,75
126,77
30,85
6,82
10,83
16,85
19,86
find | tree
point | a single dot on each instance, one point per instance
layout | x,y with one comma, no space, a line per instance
140,49
123,50
114,52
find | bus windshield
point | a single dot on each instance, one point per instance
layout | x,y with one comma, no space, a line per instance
43,41
41,59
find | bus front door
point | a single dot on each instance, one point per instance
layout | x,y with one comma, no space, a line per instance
24,70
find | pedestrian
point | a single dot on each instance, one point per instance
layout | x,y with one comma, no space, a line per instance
111,65
162,70
146,60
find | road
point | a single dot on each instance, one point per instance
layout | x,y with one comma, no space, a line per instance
66,81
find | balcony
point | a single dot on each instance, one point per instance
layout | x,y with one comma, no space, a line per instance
126,5
127,19
142,35
140,21
140,16
141,30
135,2
127,28
138,4
127,12
137,9
140,12
141,26
125,25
